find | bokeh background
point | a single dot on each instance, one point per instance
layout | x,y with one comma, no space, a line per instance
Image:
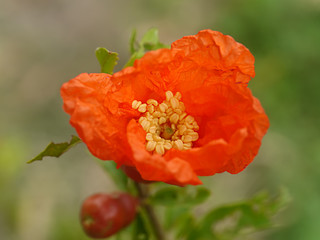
45,43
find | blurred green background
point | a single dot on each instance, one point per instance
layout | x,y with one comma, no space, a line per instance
45,43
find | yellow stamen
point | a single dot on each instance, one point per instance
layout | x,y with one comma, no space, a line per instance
160,149
152,101
142,108
167,124
136,104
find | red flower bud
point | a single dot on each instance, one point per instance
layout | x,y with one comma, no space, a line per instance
103,215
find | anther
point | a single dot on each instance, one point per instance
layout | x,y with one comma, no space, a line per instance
182,107
145,124
151,146
136,104
178,95
174,102
142,108
153,129
178,144
195,136
182,116
153,102
167,146
174,118
169,95
160,149
149,137
156,114
182,129
162,120
150,108
186,138
141,119
189,119
163,107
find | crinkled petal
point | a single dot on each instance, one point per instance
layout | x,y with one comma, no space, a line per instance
103,133
211,51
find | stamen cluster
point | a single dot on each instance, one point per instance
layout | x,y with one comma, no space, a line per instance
167,124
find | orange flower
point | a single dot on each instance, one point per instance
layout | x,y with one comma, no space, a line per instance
205,76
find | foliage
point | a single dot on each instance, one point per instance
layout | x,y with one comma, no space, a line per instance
56,149
149,41
107,59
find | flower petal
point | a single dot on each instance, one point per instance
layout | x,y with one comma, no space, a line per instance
103,133
220,54
154,167
232,124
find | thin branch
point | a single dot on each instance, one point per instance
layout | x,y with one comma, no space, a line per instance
143,195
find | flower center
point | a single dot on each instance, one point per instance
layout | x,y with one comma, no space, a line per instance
167,124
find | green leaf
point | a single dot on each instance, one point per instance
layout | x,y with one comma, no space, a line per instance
173,214
106,59
166,196
149,41
180,219
136,55
185,225
118,176
133,41
56,149
198,196
252,215
142,229
184,196
151,37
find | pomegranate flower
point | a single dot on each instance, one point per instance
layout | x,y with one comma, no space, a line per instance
176,114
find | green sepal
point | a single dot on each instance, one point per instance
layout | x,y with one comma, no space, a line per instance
108,60
56,149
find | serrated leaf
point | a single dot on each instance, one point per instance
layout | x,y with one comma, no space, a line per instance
56,149
107,60
118,176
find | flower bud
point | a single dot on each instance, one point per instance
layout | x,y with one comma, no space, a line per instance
103,215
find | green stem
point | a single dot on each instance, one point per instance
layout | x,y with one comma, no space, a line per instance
143,193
